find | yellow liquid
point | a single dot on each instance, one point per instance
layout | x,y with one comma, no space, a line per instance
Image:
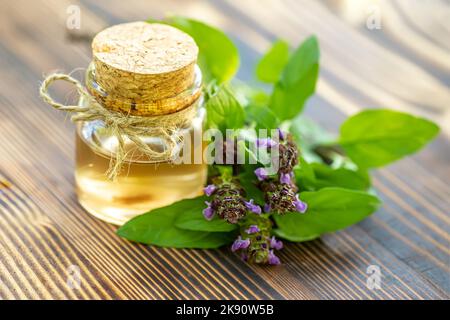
140,187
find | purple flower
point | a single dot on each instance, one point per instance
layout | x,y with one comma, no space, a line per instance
240,243
208,212
253,207
276,244
252,229
265,143
267,207
286,177
300,205
281,134
261,174
273,259
209,189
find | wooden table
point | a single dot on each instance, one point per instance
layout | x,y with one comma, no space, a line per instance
404,65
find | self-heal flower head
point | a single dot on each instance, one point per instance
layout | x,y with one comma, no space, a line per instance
267,208
208,212
281,197
276,244
240,243
265,143
209,189
252,229
228,202
288,155
273,259
300,205
253,207
258,229
261,174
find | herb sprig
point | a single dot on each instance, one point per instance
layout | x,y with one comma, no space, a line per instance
323,184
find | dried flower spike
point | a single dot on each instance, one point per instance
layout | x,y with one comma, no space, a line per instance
288,155
280,198
227,202
255,243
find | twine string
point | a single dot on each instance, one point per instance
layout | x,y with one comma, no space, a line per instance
124,126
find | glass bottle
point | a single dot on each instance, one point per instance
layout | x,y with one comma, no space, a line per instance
142,184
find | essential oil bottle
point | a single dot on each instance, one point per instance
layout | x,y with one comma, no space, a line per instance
149,72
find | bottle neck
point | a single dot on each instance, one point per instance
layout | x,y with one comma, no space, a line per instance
143,105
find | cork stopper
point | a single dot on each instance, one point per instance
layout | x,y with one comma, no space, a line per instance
143,68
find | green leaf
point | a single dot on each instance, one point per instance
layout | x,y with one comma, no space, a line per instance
262,117
218,56
248,181
340,177
248,95
329,210
272,63
244,152
282,234
298,81
157,227
224,111
373,138
304,175
194,220
325,176
308,134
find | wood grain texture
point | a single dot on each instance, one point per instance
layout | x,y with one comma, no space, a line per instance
44,231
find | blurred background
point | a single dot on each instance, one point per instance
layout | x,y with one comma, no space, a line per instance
374,53
392,54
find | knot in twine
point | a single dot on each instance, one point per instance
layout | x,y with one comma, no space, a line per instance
124,125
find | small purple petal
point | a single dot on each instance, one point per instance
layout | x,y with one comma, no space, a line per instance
239,243
261,143
244,256
209,189
235,246
267,207
208,212
261,174
265,143
285,178
252,229
300,205
276,244
253,207
281,134
273,259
